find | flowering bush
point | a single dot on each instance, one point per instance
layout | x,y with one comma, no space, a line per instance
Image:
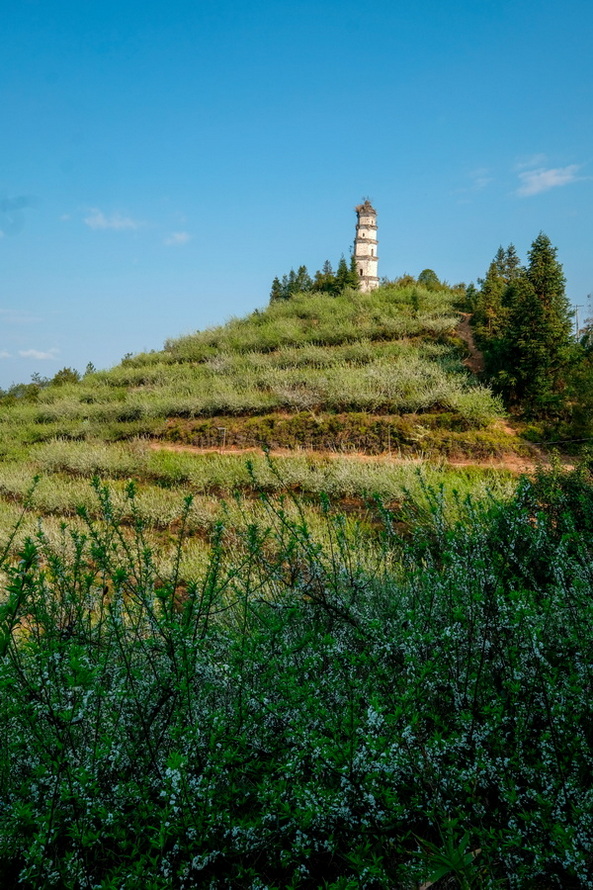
304,715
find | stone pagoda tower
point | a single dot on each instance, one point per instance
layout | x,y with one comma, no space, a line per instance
365,246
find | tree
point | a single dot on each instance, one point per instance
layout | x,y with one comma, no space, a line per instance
302,282
536,345
490,300
276,291
342,275
325,280
65,375
429,279
354,280
546,275
511,264
523,359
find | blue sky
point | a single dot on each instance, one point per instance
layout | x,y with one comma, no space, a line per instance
161,162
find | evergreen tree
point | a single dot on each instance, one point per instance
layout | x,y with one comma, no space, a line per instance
512,264
489,301
492,300
522,355
536,342
354,280
342,275
276,291
302,282
499,261
325,280
546,275
291,283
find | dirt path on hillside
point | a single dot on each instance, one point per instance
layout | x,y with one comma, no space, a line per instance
514,463
475,360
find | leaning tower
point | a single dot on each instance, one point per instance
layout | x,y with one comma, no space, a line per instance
365,246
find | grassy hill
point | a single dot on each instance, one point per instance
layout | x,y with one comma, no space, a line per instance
392,354
356,390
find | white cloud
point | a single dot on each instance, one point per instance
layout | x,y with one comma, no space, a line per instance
541,179
37,354
4,354
97,220
480,178
530,162
177,238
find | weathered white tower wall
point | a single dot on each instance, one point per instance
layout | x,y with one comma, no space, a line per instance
365,247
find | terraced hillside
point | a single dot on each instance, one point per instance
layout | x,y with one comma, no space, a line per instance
351,393
359,658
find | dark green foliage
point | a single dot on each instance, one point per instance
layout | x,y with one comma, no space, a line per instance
471,298
523,323
276,292
490,303
343,276
302,282
429,279
490,300
304,715
324,281
293,283
64,376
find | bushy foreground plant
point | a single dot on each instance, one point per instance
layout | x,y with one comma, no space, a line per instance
304,715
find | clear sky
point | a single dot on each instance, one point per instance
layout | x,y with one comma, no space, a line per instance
161,162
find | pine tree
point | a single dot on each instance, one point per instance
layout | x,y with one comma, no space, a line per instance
512,264
490,299
276,290
291,283
354,280
325,280
302,282
546,275
342,275
522,355
536,342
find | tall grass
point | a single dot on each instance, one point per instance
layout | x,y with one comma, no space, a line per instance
337,476
389,352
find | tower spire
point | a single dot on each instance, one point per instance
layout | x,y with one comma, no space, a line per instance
365,246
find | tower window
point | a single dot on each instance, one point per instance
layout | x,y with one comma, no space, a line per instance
361,271
372,252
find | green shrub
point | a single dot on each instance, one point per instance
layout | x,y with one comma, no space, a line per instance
304,714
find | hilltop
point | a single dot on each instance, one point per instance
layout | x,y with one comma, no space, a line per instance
367,372
354,392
